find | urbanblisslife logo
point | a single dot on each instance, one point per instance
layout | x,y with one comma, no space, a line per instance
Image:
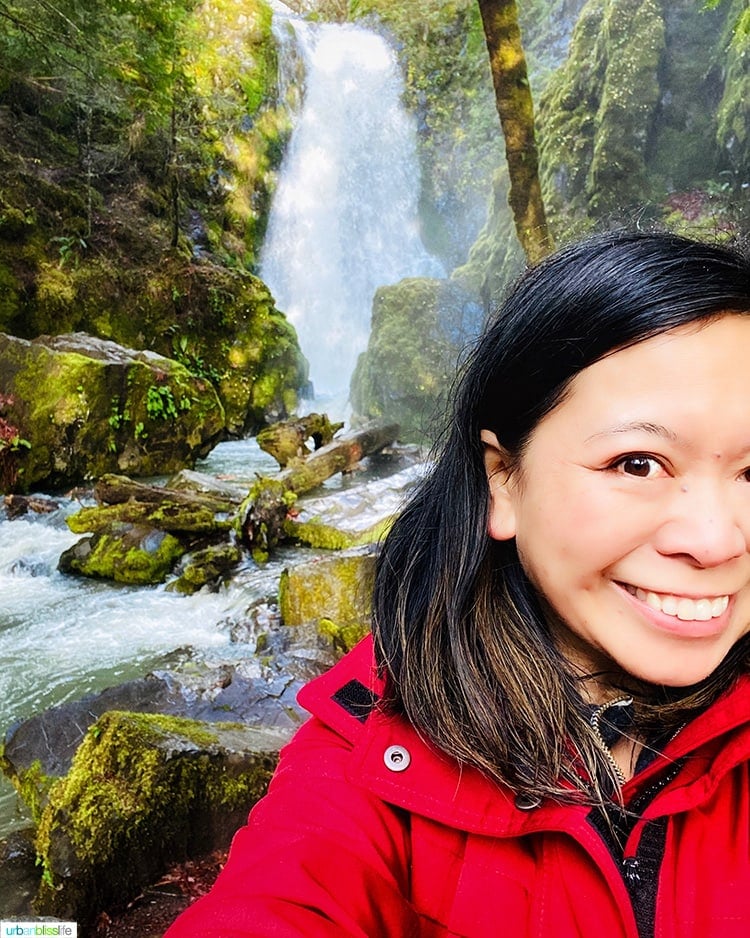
43,929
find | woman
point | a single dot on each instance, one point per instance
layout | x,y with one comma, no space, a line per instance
553,734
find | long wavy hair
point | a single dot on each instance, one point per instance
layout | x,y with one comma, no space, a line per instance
460,633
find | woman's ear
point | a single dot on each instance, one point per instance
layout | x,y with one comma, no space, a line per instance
501,524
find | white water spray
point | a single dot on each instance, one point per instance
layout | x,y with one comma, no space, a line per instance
344,217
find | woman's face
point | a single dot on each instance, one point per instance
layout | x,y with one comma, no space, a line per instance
631,505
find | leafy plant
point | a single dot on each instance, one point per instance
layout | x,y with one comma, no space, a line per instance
160,403
70,248
11,443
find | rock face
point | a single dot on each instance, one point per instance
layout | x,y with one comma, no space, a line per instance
419,327
599,110
647,120
85,406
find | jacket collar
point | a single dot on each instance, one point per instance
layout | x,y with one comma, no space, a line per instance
435,786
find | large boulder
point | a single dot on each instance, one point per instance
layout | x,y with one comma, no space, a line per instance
419,327
142,790
81,407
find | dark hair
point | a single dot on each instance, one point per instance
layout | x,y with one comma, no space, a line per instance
460,632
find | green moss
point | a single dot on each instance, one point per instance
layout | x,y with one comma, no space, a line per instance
328,537
32,785
206,566
337,588
168,516
136,789
134,555
342,637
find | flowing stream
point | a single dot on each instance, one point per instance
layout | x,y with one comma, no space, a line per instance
344,218
62,637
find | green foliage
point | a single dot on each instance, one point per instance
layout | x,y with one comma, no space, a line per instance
160,403
11,443
69,248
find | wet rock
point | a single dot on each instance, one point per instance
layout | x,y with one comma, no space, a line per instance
333,593
210,565
40,750
144,789
47,742
126,553
18,505
19,874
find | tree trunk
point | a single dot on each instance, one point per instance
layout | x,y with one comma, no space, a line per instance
516,110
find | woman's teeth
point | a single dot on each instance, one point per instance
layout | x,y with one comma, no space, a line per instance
689,610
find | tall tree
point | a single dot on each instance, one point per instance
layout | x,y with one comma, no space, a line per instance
516,110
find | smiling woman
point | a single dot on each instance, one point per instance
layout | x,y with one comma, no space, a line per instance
630,506
552,735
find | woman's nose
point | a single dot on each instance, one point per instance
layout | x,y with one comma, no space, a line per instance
707,523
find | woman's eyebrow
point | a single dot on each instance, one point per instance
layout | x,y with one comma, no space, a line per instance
641,426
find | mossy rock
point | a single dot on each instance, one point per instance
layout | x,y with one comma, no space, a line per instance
210,565
86,406
333,592
597,111
126,553
143,791
419,327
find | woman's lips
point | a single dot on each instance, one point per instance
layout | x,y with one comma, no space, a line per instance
685,616
683,607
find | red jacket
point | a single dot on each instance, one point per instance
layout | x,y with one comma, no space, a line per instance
367,831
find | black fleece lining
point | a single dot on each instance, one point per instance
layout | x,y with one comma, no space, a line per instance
356,699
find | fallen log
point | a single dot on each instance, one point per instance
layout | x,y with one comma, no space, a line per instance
114,489
263,512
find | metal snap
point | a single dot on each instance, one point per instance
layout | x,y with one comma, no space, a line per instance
396,758
527,802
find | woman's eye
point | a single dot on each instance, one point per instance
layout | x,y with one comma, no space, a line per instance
641,466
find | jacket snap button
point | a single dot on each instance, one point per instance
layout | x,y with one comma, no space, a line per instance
527,802
396,758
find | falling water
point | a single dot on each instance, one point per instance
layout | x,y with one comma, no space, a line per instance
344,218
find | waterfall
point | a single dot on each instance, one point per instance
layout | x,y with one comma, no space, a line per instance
344,217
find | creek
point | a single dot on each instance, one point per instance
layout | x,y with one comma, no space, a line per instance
63,637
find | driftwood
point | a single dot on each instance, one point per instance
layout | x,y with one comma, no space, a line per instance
262,514
116,490
286,441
